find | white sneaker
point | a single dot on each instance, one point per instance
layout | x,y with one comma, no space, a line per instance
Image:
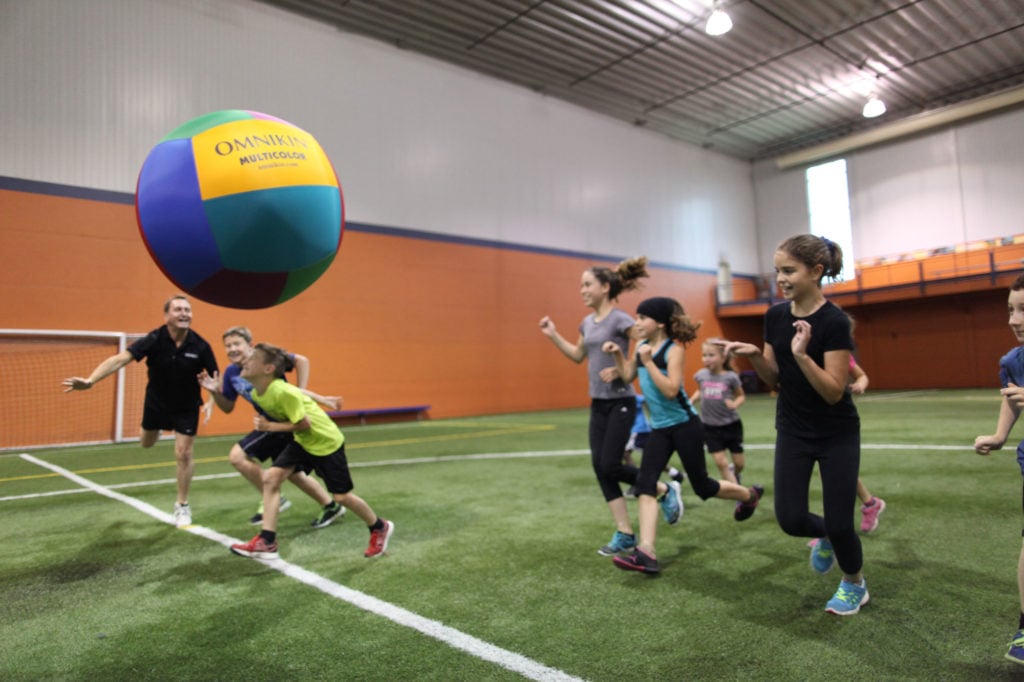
182,515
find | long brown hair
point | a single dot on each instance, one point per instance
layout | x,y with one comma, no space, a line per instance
625,276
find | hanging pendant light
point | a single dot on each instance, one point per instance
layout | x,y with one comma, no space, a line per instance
873,108
719,23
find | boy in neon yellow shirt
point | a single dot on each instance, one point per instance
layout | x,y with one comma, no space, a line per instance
319,446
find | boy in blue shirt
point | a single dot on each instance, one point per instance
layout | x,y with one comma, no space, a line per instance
1011,377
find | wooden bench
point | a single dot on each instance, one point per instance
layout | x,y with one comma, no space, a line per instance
364,414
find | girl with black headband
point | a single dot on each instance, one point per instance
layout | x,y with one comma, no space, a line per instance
612,400
806,356
665,329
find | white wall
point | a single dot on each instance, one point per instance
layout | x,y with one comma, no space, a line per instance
937,189
90,86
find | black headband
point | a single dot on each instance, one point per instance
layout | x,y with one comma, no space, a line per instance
660,309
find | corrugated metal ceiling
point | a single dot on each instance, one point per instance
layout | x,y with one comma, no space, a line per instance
791,73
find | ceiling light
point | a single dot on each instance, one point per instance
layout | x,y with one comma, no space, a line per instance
873,108
719,22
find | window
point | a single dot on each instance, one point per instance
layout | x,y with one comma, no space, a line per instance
828,201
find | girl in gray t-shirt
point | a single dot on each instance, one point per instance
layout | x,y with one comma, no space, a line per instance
612,401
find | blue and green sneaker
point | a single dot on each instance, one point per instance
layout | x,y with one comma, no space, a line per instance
822,556
1016,651
672,503
848,598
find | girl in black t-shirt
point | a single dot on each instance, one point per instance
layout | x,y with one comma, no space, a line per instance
806,356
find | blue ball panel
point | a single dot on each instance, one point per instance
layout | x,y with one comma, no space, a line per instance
276,230
171,215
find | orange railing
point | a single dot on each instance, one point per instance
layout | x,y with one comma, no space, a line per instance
968,267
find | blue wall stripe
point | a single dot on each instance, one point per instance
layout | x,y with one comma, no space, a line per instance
53,189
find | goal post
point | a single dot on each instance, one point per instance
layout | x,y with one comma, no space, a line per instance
38,413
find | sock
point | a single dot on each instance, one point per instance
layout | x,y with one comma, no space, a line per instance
872,502
268,536
332,505
1022,620
378,524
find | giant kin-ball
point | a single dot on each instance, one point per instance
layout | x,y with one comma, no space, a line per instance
240,209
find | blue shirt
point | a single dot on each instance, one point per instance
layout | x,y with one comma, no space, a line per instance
1011,371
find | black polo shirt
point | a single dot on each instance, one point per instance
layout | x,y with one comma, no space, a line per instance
173,386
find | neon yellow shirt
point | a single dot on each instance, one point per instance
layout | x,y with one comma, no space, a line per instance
286,403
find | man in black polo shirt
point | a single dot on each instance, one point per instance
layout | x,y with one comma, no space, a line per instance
175,355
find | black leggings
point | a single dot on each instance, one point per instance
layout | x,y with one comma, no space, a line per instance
838,459
611,422
688,440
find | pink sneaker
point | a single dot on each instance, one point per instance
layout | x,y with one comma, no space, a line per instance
379,540
870,513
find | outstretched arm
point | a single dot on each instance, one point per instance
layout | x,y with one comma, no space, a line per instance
301,370
1008,414
105,369
576,353
332,402
215,387
763,361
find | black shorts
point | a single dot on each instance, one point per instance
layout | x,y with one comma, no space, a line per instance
727,437
184,423
332,468
264,445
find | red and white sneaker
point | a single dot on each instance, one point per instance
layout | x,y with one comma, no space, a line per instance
379,540
257,548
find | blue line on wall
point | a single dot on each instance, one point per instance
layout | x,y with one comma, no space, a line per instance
73,192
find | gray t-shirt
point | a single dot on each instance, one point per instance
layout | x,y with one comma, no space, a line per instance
715,389
614,327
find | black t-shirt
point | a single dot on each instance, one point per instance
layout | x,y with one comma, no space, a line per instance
172,369
800,410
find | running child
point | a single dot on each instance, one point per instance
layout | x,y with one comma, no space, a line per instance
720,393
806,357
259,446
612,400
319,446
665,329
1011,377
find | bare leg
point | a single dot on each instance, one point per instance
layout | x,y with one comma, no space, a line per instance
648,524
739,462
311,487
731,491
358,505
862,492
621,515
273,478
186,464
249,468
722,462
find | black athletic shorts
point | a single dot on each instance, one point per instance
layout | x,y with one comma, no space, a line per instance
265,445
727,437
184,423
332,468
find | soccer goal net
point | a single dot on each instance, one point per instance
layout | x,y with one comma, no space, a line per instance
36,410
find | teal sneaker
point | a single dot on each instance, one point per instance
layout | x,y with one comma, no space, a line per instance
822,556
849,598
620,542
1016,651
672,503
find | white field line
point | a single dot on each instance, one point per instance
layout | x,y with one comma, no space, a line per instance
454,638
455,458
